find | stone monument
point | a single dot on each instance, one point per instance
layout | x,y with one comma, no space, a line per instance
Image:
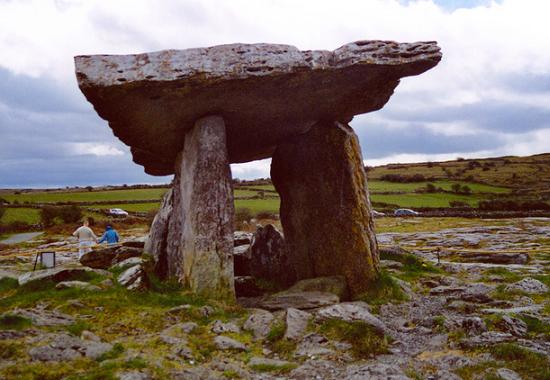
193,112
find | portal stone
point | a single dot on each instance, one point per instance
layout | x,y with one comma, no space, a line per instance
325,209
207,212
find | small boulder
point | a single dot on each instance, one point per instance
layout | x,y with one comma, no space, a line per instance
512,325
332,284
225,343
269,257
220,327
486,339
528,285
66,347
299,300
495,258
507,374
99,258
296,323
130,262
259,323
124,253
351,312
77,285
134,278
242,238
56,275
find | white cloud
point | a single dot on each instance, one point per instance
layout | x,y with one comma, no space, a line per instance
95,149
483,47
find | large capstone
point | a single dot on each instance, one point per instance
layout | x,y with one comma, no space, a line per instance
266,93
325,208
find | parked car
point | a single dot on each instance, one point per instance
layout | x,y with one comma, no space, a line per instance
117,212
377,214
405,212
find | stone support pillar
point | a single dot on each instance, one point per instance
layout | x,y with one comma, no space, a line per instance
192,236
325,209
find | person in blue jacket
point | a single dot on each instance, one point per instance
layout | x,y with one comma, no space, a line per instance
110,235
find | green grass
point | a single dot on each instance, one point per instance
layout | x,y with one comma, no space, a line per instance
133,207
13,322
259,205
425,199
365,341
385,186
86,196
383,291
413,267
27,215
277,369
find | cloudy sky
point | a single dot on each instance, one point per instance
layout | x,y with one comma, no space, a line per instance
489,96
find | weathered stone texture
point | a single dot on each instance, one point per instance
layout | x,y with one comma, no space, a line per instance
266,93
325,209
207,210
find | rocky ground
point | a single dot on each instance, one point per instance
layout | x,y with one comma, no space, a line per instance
463,301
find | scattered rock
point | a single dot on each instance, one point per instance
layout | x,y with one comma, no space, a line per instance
133,375
313,345
528,285
332,284
106,257
55,274
299,300
512,325
495,258
375,371
66,347
78,285
242,238
42,317
206,311
226,343
130,262
88,335
179,309
296,323
220,327
269,257
486,339
390,264
259,323
507,374
351,312
134,278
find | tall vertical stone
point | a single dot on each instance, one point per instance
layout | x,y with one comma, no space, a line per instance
325,209
207,211
191,238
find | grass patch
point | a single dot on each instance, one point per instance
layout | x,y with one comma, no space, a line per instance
11,350
504,273
7,284
277,332
413,266
365,341
115,352
529,364
77,327
277,369
14,322
383,291
535,325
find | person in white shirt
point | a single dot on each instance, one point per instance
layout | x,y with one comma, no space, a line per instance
86,238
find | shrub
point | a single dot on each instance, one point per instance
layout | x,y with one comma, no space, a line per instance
243,215
431,188
2,211
67,214
458,204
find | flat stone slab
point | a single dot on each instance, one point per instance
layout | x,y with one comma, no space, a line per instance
266,93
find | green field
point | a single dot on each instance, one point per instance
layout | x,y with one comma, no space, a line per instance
27,215
424,200
387,187
85,196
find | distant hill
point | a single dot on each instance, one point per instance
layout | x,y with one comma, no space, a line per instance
527,175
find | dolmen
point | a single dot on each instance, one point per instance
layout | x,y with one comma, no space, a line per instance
193,112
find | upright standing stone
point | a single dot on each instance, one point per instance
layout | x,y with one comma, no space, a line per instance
207,211
156,243
325,209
